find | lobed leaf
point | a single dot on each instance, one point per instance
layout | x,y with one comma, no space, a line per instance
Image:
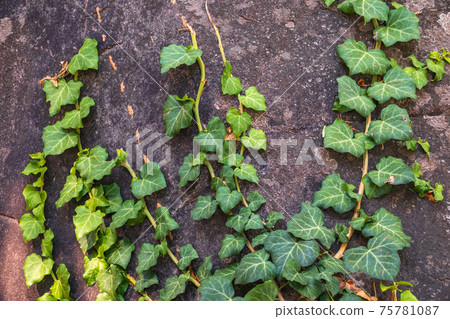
65,93
57,140
396,84
255,266
174,55
232,245
177,114
394,124
354,97
151,180
87,57
188,254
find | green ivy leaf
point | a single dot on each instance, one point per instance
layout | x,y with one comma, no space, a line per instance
359,222
256,139
57,140
408,296
339,137
216,288
92,268
86,221
47,244
255,266
309,225
384,221
253,99
255,222
205,207
341,233
230,84
346,7
173,287
227,199
177,114
401,26
391,170
105,240
112,195
47,297
378,260
129,210
204,271
238,221
396,84
227,178
330,265
65,93
360,60
165,223
174,55
228,156
120,253
87,57
71,189
189,171
247,172
109,282
148,257
61,287
231,245
36,269
371,9
147,279
336,193
73,119
263,292
212,138
93,164
373,191
419,76
259,239
438,68
151,180
394,124
328,2
354,97
416,62
239,122
33,197
272,219
282,246
31,226
188,254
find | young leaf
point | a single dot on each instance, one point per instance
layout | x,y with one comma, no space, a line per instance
148,257
71,189
109,282
36,269
129,210
255,222
253,99
394,124
416,62
188,254
31,227
231,246
238,221
359,222
336,193
177,114
373,191
385,222
346,7
61,287
112,195
227,178
341,233
92,268
256,139
396,84
230,84
73,119
173,287
33,197
272,219
419,76
87,57
165,223
227,199
189,171
354,97
47,244
105,240
239,122
371,9
339,137
309,225
86,221
151,180
205,207
391,170
57,140
262,292
204,271
174,55
228,156
216,288
401,26
253,267
408,296
212,138
120,253
247,172
146,279
438,68
65,93
378,260
93,164
360,60
282,246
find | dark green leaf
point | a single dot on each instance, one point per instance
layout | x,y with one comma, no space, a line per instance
165,223
151,180
262,292
227,199
146,279
173,287
174,55
396,84
129,210
231,246
272,219
65,93
120,253
239,122
391,170
189,171
238,221
216,288
188,254
205,207
255,266
177,114
204,271
354,97
401,26
394,124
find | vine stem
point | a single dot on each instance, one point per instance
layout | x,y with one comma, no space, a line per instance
77,107
217,33
154,223
365,168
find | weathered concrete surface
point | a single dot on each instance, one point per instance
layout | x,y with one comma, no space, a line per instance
270,44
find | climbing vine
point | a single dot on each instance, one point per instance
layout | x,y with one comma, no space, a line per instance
299,256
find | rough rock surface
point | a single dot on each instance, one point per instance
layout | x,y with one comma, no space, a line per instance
285,48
